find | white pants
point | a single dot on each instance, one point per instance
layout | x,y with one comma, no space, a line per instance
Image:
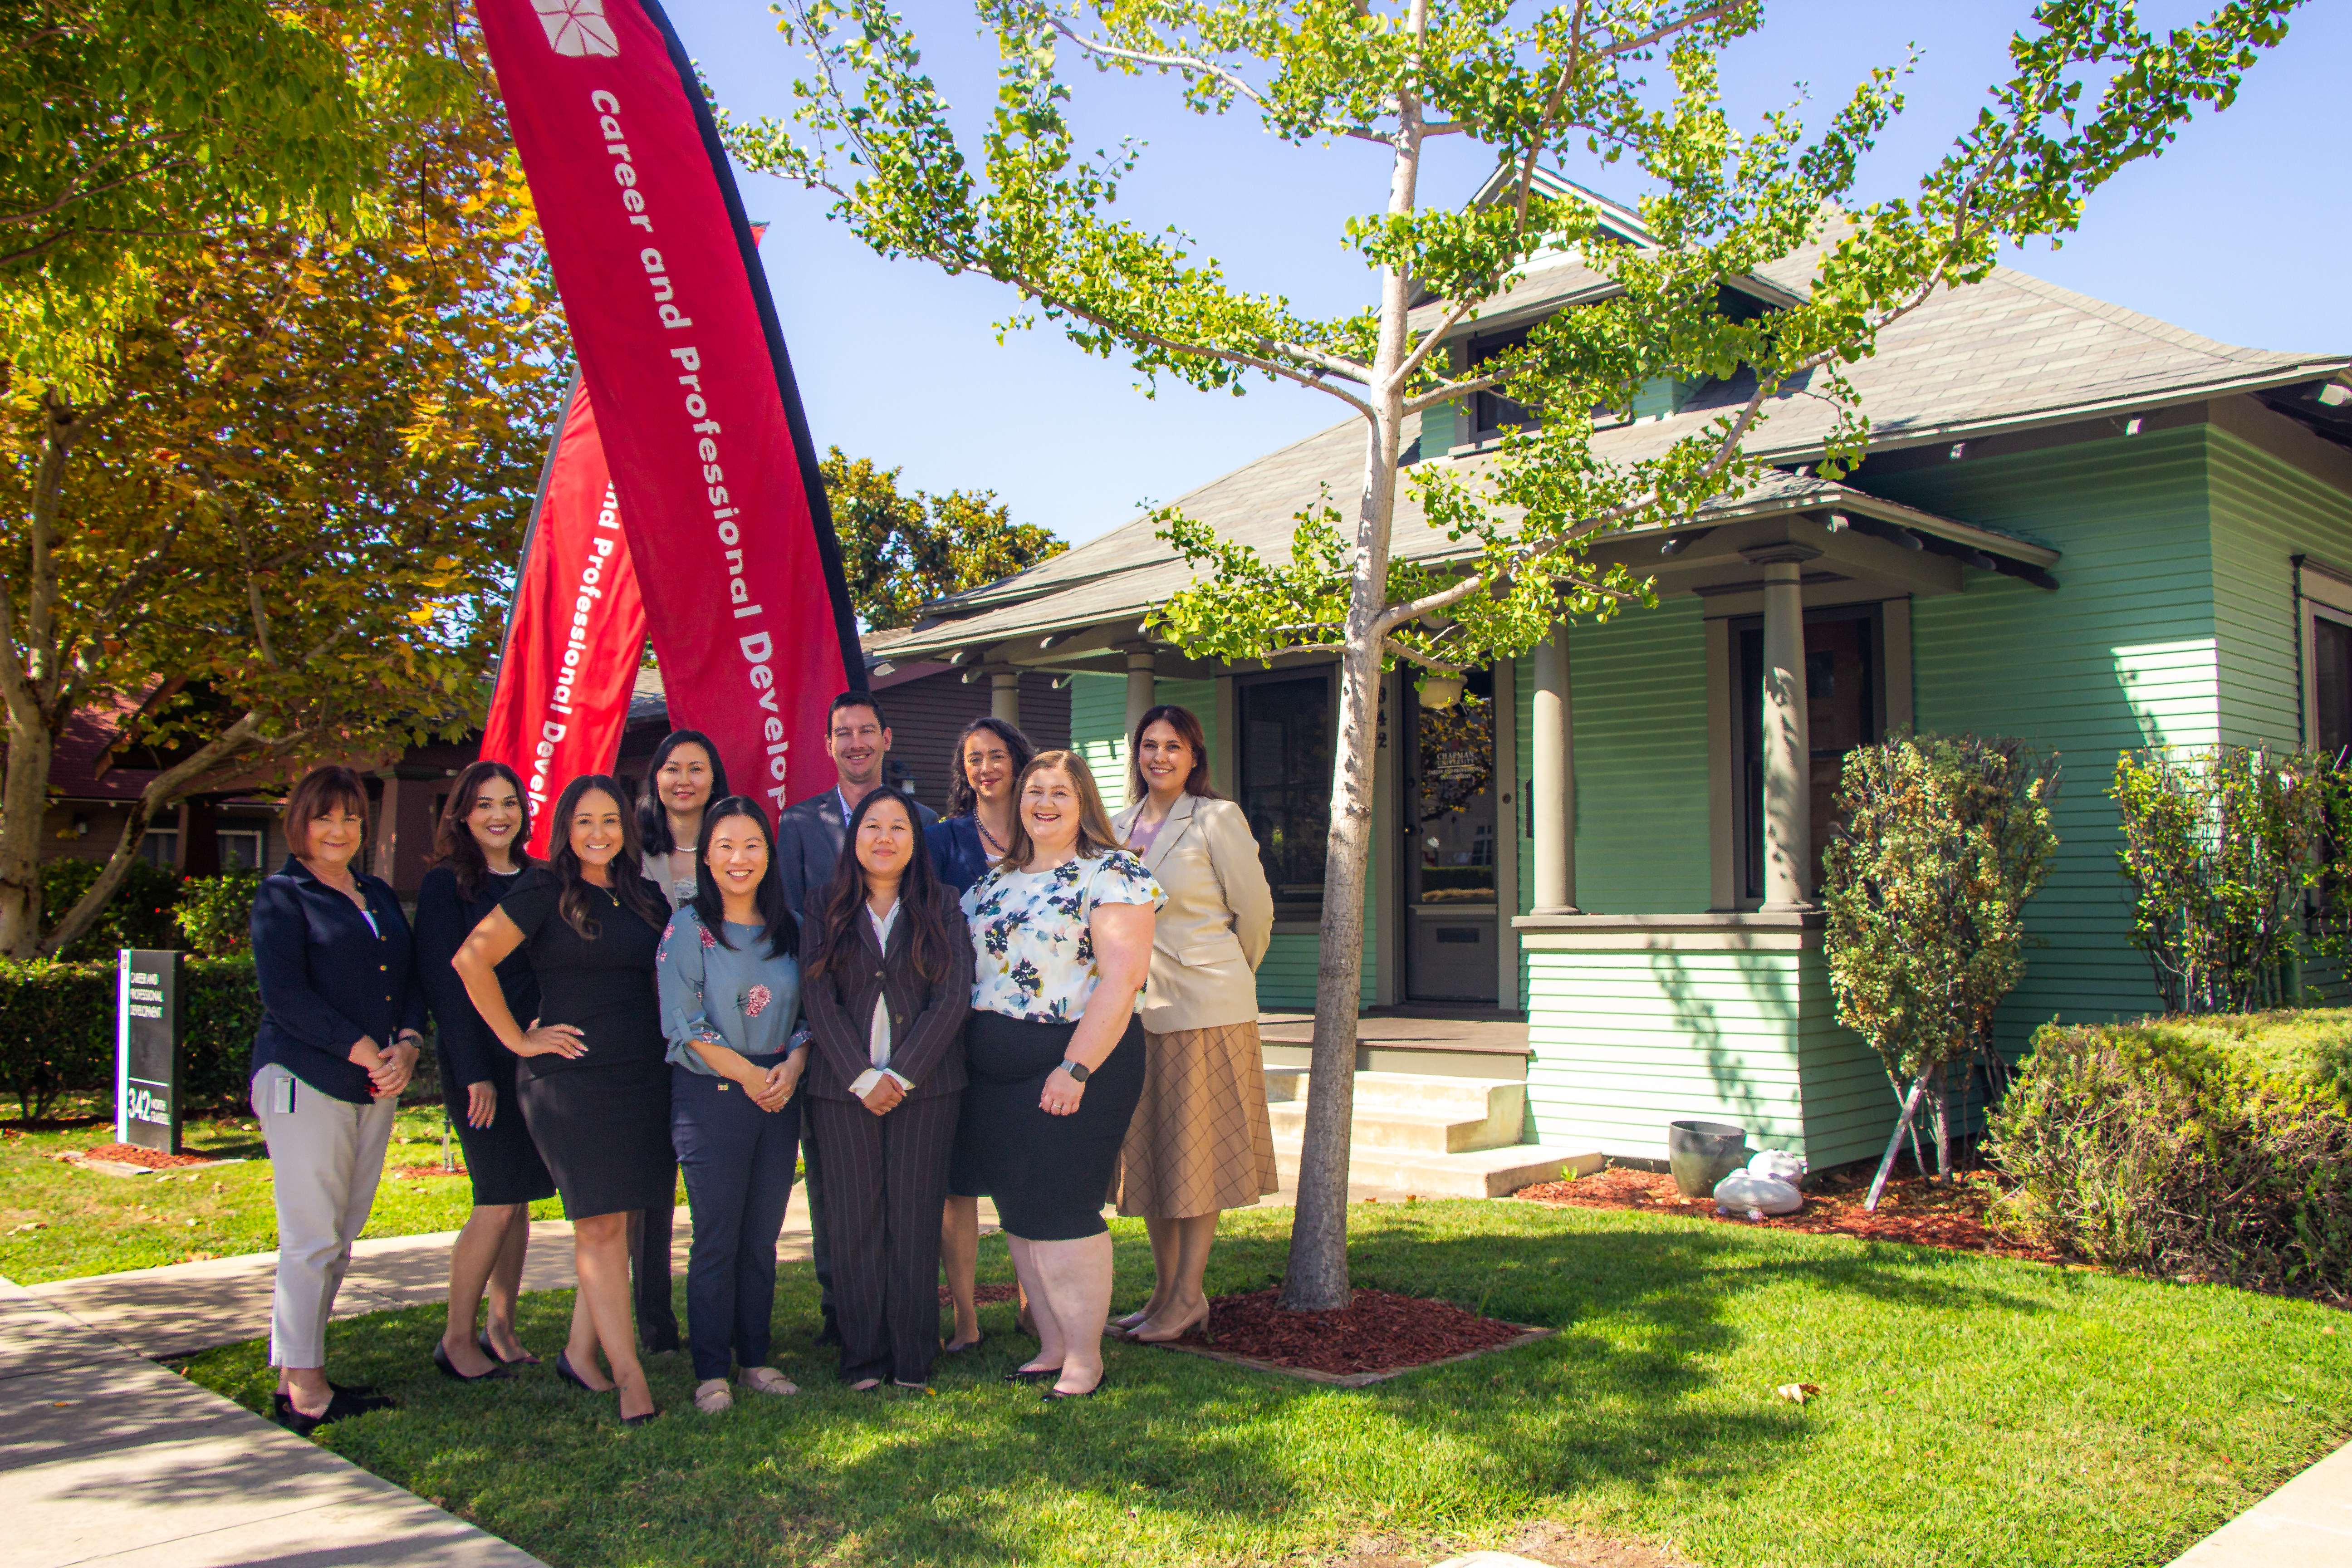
326,1156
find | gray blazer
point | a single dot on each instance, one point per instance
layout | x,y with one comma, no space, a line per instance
808,843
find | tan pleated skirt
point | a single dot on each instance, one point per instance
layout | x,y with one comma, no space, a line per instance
1200,1140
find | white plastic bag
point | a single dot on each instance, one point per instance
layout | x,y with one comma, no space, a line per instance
1744,1190
1780,1165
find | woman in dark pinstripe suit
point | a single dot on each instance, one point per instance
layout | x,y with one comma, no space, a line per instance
886,983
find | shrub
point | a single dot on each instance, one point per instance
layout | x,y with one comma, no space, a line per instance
2169,1149
138,915
1944,837
215,913
57,1031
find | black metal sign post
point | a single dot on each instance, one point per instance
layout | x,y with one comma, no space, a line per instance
147,1050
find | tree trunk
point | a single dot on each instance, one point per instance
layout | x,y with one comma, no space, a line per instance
29,725
1315,1279
1943,1122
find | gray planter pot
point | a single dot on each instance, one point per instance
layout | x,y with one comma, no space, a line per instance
1702,1152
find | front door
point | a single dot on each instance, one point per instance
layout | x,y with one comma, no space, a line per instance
1450,844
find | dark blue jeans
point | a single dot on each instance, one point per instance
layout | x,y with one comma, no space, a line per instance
737,1160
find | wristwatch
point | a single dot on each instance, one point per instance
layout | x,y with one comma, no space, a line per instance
1079,1072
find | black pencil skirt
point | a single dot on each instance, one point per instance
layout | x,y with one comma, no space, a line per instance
605,1133
502,1160
1047,1174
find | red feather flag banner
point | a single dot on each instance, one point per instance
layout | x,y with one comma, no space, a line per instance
695,409
577,631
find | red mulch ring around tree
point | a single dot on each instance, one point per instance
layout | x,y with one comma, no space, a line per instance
1378,1332
983,1294
419,1173
1913,1209
153,1159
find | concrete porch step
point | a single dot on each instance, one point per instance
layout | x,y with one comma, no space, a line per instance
1399,1131
1502,1102
1471,1173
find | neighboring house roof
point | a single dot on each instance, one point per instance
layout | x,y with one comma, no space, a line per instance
2011,352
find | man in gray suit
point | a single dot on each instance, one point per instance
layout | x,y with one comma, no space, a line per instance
809,838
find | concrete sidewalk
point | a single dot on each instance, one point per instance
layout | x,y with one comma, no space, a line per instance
106,1457
2307,1523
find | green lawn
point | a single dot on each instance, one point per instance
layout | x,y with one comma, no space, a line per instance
94,1224
1973,1412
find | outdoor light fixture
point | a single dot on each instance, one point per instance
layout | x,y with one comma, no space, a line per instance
1440,690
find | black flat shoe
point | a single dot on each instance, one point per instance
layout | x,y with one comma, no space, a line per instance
497,1374
1089,1394
953,1348
491,1350
1032,1373
361,1397
563,1369
640,1420
283,1411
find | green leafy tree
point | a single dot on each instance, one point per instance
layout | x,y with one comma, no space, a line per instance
311,463
1026,205
1941,841
2220,845
902,549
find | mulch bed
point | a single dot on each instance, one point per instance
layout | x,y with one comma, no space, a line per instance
152,1159
983,1294
419,1173
1378,1332
1913,1209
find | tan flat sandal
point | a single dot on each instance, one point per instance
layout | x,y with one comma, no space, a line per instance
711,1397
768,1380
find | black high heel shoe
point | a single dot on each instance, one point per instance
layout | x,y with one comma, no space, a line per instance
497,1374
491,1350
563,1369
1032,1373
1089,1394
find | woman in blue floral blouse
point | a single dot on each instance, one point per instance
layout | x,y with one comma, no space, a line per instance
1061,933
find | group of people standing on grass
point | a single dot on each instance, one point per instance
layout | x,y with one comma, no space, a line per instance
1030,1000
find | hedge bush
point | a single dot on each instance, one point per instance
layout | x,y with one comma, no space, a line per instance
2220,1149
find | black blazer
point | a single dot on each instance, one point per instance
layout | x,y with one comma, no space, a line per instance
327,980
926,1021
445,918
808,843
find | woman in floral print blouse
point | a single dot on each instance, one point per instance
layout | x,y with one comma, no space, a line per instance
1061,933
730,996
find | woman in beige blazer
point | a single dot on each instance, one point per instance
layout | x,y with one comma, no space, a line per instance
1201,1142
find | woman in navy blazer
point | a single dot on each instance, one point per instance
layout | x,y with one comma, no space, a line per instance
342,1022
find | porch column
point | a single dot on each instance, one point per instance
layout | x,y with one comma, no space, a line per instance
1554,781
1004,696
1786,740
1142,662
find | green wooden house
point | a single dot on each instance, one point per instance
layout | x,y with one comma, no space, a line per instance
2076,524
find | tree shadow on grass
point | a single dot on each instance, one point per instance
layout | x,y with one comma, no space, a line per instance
1181,1459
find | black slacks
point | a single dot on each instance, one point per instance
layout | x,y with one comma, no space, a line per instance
886,1179
651,1233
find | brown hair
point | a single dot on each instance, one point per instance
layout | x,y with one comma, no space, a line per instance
318,791
1188,730
963,799
1095,834
629,888
454,844
923,905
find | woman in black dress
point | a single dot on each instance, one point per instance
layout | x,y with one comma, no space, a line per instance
479,858
595,1087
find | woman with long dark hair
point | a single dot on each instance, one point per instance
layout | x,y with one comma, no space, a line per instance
594,1087
1061,932
989,755
479,858
731,994
1201,1142
888,976
685,776
341,1023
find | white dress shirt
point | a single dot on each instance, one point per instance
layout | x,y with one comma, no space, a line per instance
877,1035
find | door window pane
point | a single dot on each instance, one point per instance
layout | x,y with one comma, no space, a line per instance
1842,711
2331,669
1283,779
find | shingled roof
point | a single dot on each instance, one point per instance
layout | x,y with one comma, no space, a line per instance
2012,352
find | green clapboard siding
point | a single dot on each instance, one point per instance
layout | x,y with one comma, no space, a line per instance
1285,980
2122,654
1638,703
2265,511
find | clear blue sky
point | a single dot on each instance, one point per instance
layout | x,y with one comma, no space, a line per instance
2238,233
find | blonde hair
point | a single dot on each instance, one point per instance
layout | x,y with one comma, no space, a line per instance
1095,834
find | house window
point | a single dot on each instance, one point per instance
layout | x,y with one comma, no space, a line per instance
2326,657
1844,707
161,846
1494,411
1283,777
241,848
